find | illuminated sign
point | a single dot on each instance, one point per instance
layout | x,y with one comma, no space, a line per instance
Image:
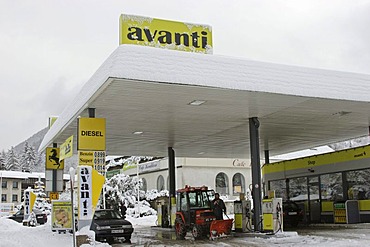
172,35
91,134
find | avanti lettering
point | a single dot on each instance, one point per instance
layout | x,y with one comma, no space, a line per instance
85,190
166,37
27,203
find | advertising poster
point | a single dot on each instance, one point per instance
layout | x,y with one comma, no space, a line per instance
61,216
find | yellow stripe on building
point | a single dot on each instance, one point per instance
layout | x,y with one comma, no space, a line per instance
318,160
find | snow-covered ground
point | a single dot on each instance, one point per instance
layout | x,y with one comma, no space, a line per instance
14,234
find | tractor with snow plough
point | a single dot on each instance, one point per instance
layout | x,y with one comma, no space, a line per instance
194,214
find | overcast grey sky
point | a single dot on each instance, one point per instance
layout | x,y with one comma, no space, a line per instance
50,48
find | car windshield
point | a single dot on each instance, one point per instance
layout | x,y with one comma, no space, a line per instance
106,215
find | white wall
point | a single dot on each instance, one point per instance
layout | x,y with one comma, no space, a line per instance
198,172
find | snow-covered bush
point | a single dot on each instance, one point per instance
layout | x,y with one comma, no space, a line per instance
151,195
122,189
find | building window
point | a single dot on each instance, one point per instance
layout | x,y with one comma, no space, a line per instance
238,184
279,186
15,185
144,186
14,198
160,183
3,197
358,184
331,187
222,184
4,184
298,189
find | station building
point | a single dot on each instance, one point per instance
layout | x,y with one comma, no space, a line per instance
167,103
332,187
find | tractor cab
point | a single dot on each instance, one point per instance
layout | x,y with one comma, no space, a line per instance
194,211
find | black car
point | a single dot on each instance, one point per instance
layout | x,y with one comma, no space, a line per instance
292,214
41,217
109,224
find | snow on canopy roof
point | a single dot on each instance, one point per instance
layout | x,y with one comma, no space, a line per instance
176,67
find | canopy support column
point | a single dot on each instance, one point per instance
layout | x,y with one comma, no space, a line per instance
256,172
172,189
267,156
54,184
91,112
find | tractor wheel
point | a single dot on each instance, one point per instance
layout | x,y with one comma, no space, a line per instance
180,229
197,232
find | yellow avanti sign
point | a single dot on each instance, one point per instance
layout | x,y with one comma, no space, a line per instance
91,134
318,160
172,35
89,190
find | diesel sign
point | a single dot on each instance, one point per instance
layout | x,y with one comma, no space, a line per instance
91,134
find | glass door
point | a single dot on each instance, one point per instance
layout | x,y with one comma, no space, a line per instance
314,199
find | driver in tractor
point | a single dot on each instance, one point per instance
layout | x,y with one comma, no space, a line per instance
218,207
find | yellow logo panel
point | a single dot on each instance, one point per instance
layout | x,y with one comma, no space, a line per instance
66,149
172,35
91,134
52,159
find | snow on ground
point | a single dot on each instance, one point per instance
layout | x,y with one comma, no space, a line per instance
13,234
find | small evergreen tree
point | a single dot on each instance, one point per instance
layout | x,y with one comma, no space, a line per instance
27,159
12,160
41,202
2,160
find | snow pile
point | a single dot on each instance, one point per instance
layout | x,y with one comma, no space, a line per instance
141,209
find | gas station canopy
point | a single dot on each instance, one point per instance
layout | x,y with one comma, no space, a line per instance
200,105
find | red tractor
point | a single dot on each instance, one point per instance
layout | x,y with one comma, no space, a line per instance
194,213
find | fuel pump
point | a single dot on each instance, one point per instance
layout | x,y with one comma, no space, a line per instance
242,215
162,213
272,213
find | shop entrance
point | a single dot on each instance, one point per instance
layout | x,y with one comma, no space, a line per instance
314,199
